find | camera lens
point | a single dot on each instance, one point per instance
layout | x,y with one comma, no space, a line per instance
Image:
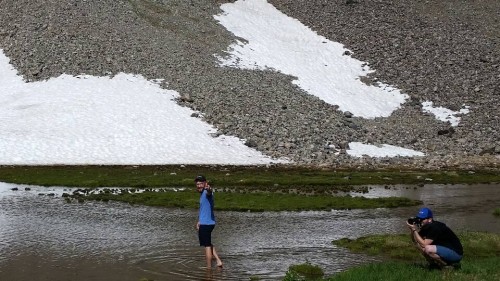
412,220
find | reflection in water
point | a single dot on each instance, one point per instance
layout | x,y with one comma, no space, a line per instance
44,236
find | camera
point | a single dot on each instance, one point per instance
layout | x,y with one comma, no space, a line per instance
414,220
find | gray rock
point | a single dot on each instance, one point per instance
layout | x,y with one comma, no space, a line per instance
444,52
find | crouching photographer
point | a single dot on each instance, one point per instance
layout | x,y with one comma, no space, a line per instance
436,241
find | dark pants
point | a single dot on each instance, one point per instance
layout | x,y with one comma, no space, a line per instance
205,235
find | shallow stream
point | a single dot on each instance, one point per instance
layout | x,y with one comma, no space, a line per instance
44,238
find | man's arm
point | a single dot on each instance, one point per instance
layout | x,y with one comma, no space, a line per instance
209,190
419,240
415,236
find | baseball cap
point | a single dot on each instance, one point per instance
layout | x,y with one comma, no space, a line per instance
424,213
200,178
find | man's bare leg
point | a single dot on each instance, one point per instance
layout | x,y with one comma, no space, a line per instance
217,259
208,256
430,253
437,260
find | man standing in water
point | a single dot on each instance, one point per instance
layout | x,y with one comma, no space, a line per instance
206,220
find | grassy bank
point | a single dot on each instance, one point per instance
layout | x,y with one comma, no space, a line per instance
403,262
476,245
255,188
227,176
485,269
255,201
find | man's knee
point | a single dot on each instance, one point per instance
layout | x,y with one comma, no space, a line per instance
430,249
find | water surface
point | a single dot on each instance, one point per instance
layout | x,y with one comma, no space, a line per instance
46,237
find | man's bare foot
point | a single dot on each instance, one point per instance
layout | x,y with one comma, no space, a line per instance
219,265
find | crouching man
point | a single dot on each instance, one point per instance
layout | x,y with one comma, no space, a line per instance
436,241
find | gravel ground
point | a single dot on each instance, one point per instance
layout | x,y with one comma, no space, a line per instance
445,51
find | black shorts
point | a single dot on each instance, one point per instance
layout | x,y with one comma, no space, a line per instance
205,235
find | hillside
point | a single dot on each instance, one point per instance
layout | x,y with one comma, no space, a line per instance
447,52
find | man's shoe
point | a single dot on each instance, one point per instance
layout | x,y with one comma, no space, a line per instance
434,266
452,266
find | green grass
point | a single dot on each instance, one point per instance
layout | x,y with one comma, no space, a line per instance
403,262
393,246
482,269
272,182
305,271
256,202
496,212
228,176
399,246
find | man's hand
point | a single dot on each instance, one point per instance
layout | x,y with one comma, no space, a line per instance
412,227
197,226
209,190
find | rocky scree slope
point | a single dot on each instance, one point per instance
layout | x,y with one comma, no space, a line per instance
444,52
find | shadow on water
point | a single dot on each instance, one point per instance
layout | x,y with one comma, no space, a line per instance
43,236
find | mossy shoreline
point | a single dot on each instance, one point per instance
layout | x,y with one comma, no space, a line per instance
250,188
258,201
401,261
230,176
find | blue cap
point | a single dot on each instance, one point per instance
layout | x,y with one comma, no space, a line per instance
424,213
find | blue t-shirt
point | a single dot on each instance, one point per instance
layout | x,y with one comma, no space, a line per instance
206,215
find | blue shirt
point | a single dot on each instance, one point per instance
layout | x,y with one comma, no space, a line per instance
206,215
